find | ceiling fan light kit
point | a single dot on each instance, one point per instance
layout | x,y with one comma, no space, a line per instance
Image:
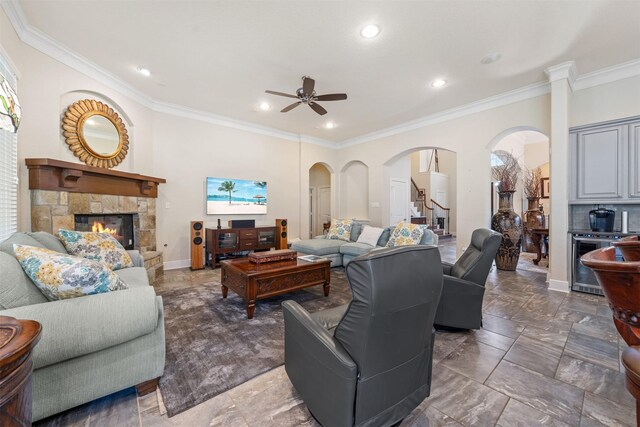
307,95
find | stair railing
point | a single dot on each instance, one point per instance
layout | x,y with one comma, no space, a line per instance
419,197
440,215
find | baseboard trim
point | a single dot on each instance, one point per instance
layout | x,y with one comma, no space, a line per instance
174,265
559,285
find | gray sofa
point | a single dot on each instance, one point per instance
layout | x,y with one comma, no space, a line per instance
341,252
90,346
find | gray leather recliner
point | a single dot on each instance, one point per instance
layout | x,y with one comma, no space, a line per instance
463,288
368,363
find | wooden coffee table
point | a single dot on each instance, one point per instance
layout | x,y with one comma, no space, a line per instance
257,281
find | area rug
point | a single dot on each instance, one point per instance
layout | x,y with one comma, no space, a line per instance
213,347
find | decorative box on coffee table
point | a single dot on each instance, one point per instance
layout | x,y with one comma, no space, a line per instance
272,256
253,281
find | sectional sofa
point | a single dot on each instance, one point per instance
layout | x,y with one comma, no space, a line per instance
90,346
340,252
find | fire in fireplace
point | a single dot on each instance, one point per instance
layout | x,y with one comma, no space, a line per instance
121,226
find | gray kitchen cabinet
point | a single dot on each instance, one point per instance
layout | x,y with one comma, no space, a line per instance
605,162
634,160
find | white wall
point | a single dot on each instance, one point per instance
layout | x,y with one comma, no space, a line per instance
472,137
188,151
609,101
449,165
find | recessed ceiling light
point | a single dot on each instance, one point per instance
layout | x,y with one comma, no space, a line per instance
329,125
370,31
438,83
263,106
145,72
490,58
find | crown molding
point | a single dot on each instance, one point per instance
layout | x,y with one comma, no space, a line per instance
608,75
566,70
54,49
191,113
495,101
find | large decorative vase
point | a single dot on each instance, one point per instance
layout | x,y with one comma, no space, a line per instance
509,224
533,218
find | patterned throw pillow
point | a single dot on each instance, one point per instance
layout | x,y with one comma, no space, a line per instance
340,229
102,247
405,234
62,276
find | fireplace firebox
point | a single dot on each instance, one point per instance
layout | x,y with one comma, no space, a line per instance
121,226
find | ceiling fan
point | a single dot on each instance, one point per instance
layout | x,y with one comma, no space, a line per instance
306,95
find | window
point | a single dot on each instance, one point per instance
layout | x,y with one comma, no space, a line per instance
8,165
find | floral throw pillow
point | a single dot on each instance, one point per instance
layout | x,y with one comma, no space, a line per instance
102,247
62,276
405,234
340,229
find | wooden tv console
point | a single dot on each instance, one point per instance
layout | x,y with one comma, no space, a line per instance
224,242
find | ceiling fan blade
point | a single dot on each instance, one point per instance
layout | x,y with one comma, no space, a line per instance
280,94
332,97
290,107
307,85
318,109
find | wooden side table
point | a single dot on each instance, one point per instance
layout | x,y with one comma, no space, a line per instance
540,237
17,340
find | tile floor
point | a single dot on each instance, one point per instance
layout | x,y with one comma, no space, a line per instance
542,358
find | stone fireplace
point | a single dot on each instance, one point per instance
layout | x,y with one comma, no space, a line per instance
60,191
53,210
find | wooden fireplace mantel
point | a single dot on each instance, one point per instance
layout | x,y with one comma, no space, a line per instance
56,175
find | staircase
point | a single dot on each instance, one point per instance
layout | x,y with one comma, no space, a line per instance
427,212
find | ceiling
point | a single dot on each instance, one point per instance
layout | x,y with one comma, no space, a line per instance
220,56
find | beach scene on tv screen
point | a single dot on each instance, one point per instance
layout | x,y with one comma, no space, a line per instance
227,196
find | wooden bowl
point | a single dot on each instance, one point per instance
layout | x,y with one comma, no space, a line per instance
630,248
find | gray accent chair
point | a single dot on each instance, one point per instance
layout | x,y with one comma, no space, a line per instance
463,290
90,346
368,363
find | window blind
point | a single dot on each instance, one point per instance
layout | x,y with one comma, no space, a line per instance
8,167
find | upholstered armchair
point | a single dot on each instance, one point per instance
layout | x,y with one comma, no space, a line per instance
463,283
368,362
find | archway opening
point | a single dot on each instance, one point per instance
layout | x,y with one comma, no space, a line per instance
531,198
431,177
319,198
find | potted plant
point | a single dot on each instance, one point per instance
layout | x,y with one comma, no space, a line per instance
533,218
506,221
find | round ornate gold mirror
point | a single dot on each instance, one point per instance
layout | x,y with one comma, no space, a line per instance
95,133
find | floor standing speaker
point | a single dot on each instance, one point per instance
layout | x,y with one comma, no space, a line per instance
281,234
197,245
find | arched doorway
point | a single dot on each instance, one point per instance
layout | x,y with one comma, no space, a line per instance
530,148
431,176
319,198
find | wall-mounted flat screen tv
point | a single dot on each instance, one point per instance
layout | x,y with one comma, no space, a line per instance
227,196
